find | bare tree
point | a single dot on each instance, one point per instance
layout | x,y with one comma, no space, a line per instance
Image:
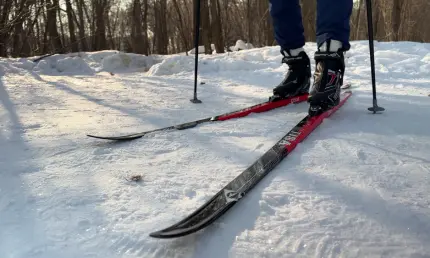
53,40
216,26
36,27
161,37
206,27
181,26
70,14
100,10
80,6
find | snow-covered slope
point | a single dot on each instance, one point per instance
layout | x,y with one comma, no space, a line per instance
357,187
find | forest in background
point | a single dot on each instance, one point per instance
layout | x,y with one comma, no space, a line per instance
39,27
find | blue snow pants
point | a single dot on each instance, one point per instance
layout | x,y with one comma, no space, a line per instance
332,22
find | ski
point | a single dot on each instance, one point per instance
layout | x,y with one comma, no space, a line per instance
261,107
234,191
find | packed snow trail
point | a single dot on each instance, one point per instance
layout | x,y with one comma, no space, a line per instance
356,187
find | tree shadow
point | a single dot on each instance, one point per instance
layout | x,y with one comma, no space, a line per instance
35,222
99,101
216,101
214,98
19,224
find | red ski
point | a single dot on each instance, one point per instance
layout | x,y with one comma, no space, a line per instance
234,191
262,107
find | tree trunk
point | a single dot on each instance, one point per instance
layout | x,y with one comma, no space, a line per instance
54,39
81,25
73,42
18,33
137,35
145,42
181,26
161,37
216,26
309,19
205,27
357,22
63,35
100,42
250,18
395,16
5,27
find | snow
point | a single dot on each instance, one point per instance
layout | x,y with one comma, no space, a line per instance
240,45
356,187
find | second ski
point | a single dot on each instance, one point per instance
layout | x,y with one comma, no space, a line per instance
262,107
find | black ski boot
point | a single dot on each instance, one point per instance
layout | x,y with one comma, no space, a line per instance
297,80
328,78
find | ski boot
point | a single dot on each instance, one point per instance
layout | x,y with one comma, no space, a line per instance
328,78
297,80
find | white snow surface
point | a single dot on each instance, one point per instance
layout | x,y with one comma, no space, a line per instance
358,186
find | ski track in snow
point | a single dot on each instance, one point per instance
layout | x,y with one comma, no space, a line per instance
356,187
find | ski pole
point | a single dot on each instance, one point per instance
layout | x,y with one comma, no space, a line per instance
196,48
375,107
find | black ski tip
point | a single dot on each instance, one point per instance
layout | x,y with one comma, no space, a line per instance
174,233
376,109
155,235
159,235
115,138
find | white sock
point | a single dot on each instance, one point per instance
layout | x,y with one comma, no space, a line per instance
296,52
335,45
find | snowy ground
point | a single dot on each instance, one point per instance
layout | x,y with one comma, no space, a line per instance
357,187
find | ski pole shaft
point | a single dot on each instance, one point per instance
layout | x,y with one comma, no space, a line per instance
371,45
196,49
375,107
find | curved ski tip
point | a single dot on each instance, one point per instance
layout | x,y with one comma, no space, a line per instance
100,137
157,234
163,235
113,138
95,136
176,232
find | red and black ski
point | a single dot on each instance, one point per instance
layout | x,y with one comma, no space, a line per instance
262,107
222,201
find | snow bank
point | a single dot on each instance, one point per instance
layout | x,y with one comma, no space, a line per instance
184,64
97,57
201,50
241,45
126,62
410,57
63,66
249,60
82,63
73,65
18,66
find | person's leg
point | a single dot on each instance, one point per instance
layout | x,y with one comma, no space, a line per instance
287,23
333,17
289,33
332,39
